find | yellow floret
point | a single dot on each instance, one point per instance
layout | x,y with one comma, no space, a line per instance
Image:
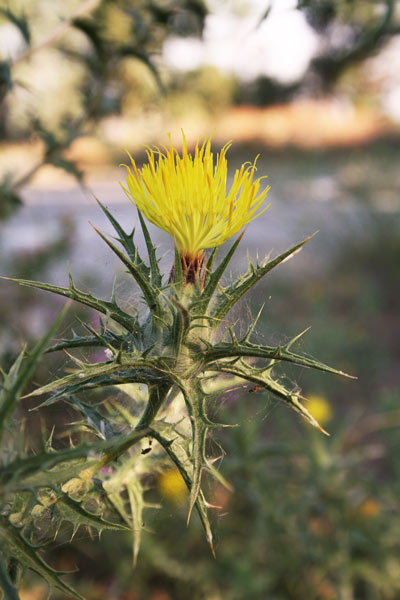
172,486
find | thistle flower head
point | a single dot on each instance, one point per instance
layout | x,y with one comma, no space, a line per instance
187,195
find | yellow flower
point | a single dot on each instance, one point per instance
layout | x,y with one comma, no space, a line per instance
187,196
172,486
370,508
320,409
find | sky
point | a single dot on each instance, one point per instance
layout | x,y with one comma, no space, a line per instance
236,42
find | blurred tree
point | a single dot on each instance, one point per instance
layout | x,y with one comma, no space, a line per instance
205,88
349,31
88,47
264,91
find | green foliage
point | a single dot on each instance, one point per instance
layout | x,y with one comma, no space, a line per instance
367,30
20,21
26,553
317,517
15,546
14,382
10,199
176,350
6,583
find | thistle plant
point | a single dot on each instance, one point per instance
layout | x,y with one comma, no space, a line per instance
182,351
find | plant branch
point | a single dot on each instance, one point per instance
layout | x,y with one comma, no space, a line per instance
157,395
88,7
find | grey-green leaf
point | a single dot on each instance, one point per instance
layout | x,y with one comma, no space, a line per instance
21,372
110,309
10,593
25,553
231,296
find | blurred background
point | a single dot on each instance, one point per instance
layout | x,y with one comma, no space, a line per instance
313,87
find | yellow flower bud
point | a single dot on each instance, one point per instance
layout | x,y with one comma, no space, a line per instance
320,409
172,486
